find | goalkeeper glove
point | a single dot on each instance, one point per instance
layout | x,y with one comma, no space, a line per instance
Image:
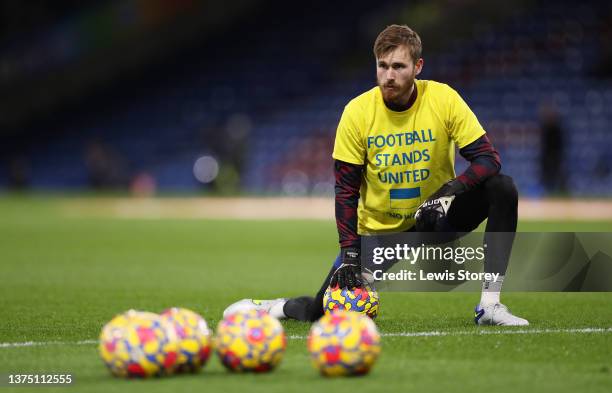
436,206
348,275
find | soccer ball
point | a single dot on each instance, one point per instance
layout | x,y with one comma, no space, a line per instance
250,341
362,299
343,343
194,338
138,344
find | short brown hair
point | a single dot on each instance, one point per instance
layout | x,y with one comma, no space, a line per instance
397,35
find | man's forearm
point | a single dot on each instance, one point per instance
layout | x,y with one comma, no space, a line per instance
484,163
348,183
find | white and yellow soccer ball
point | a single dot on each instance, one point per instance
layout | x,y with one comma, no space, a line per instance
194,338
343,343
362,299
250,340
138,344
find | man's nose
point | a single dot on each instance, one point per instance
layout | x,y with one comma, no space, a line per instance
391,74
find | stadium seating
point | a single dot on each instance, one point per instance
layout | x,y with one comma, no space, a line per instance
506,75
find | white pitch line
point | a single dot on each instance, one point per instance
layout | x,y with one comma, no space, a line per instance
434,333
46,343
500,332
483,332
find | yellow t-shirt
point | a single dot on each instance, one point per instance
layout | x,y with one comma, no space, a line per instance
407,155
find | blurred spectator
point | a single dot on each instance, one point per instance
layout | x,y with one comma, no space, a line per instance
551,154
19,173
603,68
603,167
237,128
143,185
106,168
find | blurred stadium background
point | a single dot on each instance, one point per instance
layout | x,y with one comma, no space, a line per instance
233,99
243,97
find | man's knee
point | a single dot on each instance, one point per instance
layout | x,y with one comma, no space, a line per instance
304,308
501,188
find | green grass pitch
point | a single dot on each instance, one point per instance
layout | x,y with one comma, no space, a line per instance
63,278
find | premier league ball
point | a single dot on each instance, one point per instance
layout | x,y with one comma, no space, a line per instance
194,338
138,344
250,341
344,343
362,299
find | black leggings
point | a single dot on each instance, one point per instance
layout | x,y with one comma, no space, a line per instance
496,199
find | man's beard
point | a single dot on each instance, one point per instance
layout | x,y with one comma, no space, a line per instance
396,96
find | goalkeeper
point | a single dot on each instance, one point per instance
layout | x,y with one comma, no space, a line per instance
394,169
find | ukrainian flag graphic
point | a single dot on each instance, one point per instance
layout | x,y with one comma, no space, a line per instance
405,198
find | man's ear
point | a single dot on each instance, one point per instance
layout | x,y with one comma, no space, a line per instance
418,66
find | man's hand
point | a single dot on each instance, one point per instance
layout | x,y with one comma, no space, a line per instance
436,206
348,275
